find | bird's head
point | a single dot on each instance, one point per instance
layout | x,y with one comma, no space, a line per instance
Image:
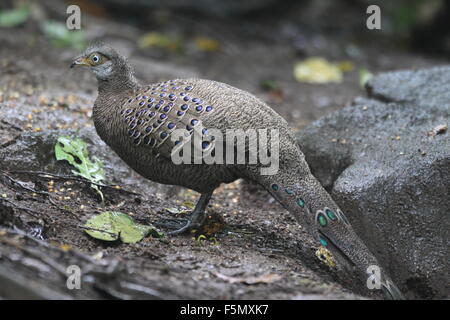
351,255
107,64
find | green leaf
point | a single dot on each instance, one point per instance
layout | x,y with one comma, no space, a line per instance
14,17
364,76
76,153
189,205
269,85
173,210
111,225
60,36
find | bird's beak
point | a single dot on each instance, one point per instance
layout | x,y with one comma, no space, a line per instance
80,61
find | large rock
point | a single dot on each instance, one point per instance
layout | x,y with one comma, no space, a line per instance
386,160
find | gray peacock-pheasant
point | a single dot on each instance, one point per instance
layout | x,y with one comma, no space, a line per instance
139,123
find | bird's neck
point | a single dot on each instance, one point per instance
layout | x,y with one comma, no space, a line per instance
121,81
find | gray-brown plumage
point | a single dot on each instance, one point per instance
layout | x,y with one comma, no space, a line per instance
138,122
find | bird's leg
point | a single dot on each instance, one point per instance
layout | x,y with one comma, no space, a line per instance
198,215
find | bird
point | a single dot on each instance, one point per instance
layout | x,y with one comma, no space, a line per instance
140,121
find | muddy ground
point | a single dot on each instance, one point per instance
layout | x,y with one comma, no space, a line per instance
41,232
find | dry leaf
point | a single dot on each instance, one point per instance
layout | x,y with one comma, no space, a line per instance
438,130
317,70
206,44
266,278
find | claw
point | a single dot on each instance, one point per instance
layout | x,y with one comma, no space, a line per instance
185,228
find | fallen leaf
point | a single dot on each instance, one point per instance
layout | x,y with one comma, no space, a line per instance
206,44
159,40
326,257
266,278
438,130
173,210
74,151
346,66
111,225
269,85
66,247
364,76
317,70
189,205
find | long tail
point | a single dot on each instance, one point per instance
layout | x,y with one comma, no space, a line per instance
299,192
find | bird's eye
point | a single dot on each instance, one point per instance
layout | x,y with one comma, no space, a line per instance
95,58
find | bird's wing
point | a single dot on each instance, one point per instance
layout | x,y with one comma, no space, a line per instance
159,111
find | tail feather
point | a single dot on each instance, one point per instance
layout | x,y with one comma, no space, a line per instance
304,197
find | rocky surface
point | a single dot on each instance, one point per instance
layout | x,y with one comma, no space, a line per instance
386,160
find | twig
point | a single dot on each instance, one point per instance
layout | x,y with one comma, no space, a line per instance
12,125
21,184
32,212
74,178
47,194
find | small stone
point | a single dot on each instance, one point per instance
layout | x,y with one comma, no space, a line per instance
441,129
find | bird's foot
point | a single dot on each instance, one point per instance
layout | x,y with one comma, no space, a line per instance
194,222
188,227
197,218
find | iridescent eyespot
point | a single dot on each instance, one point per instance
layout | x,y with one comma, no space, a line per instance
289,191
321,219
330,214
